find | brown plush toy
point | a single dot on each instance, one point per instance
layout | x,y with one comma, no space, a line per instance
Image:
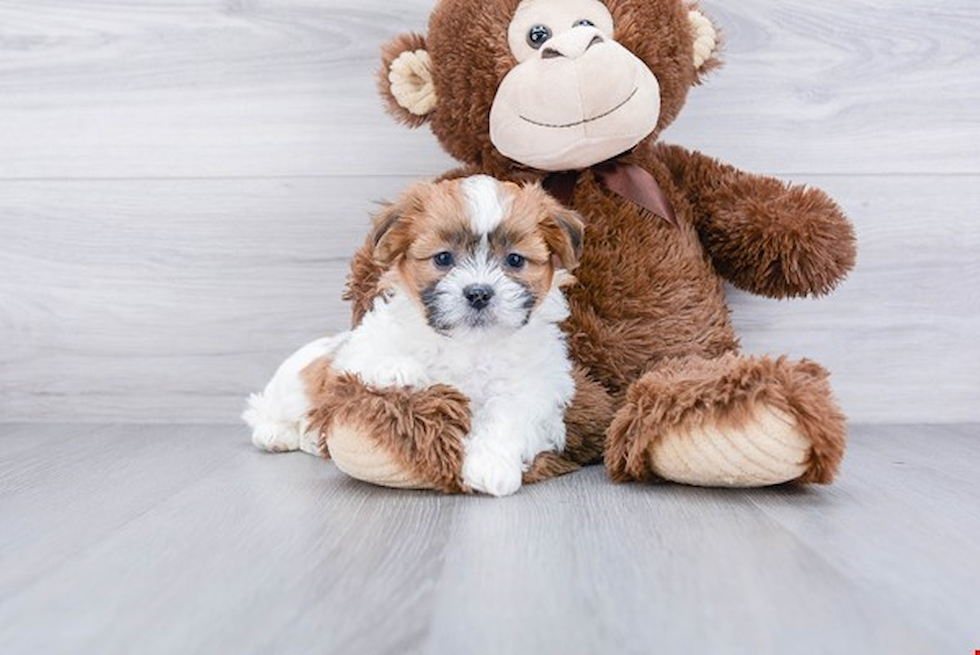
575,93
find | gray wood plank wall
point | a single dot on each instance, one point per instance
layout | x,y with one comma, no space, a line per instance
181,183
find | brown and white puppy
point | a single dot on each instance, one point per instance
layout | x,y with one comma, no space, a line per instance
471,299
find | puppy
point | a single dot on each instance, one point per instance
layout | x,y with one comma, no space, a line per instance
471,298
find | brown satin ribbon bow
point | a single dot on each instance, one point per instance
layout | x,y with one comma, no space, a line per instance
630,181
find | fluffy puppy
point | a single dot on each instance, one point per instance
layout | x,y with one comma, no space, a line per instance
471,299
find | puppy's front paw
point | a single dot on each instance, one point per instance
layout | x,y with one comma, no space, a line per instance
491,473
397,372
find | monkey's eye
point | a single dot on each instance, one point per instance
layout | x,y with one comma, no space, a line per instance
585,22
537,35
516,261
444,259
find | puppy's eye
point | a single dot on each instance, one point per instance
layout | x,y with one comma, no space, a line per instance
444,259
585,22
537,35
516,261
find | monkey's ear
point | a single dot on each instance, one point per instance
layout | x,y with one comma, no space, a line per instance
405,79
707,42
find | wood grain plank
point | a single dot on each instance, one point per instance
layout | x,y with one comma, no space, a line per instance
27,453
243,558
17,440
686,569
840,87
150,300
147,290
899,526
214,546
60,500
200,88
956,459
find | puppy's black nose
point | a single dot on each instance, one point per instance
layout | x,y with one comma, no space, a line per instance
478,295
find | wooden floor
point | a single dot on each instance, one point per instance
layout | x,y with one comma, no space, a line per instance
185,540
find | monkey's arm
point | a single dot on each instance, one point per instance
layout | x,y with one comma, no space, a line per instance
763,235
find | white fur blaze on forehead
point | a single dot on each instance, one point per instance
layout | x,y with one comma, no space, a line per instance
485,202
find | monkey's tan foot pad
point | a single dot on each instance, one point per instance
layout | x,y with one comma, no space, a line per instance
363,459
767,449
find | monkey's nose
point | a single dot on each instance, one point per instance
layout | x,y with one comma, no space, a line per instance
572,44
478,295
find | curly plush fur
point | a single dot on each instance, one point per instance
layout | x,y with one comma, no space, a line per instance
423,430
682,393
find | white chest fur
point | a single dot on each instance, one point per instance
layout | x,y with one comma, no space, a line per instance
394,346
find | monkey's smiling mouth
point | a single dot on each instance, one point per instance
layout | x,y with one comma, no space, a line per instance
584,120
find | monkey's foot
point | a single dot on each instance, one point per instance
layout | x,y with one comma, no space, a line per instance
730,422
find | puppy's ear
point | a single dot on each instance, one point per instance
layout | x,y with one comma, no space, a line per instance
405,80
388,235
391,234
563,232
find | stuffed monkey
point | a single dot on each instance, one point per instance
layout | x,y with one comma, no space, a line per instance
574,93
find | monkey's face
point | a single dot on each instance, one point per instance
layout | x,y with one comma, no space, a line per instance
547,84
576,97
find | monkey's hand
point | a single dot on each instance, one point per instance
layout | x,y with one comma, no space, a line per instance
763,235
